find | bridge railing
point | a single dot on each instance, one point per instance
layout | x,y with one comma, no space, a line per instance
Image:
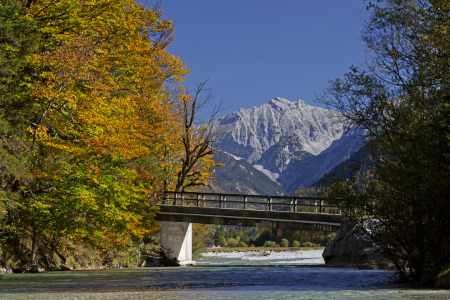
253,202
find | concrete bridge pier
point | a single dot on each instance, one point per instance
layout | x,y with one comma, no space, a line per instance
176,239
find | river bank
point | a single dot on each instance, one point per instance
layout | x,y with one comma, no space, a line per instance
152,261
64,268
262,257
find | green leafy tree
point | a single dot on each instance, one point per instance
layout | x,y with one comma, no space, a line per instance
266,235
401,96
222,242
18,40
270,244
242,244
232,242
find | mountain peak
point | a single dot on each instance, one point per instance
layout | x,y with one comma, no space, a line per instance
282,102
279,100
300,102
279,135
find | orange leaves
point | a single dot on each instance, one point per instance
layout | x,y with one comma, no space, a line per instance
97,122
105,88
100,103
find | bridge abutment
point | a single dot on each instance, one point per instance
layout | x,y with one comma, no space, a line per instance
176,239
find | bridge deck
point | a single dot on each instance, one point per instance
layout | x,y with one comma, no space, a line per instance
276,212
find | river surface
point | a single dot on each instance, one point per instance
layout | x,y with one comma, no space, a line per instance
285,275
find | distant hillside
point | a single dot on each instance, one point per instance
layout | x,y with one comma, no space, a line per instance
240,177
344,168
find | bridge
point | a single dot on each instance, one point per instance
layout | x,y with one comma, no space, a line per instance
179,209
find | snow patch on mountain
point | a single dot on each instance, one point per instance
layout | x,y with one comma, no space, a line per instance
269,174
293,143
233,156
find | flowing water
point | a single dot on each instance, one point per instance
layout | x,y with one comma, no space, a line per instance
285,275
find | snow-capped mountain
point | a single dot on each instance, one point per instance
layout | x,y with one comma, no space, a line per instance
293,143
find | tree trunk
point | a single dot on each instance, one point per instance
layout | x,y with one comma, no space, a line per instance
33,248
63,258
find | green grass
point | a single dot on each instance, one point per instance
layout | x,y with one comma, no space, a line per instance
275,249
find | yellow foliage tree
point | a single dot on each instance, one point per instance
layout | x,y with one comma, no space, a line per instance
97,125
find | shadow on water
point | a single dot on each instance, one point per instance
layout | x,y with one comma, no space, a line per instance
257,278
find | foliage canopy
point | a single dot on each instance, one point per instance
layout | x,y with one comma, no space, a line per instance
87,106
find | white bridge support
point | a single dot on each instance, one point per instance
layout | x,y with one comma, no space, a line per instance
176,239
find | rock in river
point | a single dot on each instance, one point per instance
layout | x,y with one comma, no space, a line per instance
352,249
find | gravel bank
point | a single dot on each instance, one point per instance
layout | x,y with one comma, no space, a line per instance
289,257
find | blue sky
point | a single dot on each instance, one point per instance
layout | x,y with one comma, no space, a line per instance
255,50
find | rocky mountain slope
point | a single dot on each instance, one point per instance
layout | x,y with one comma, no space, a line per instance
240,177
293,143
344,169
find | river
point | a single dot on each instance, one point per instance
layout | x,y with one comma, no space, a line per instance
285,275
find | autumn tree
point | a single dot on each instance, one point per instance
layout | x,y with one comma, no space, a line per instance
94,91
401,97
197,135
